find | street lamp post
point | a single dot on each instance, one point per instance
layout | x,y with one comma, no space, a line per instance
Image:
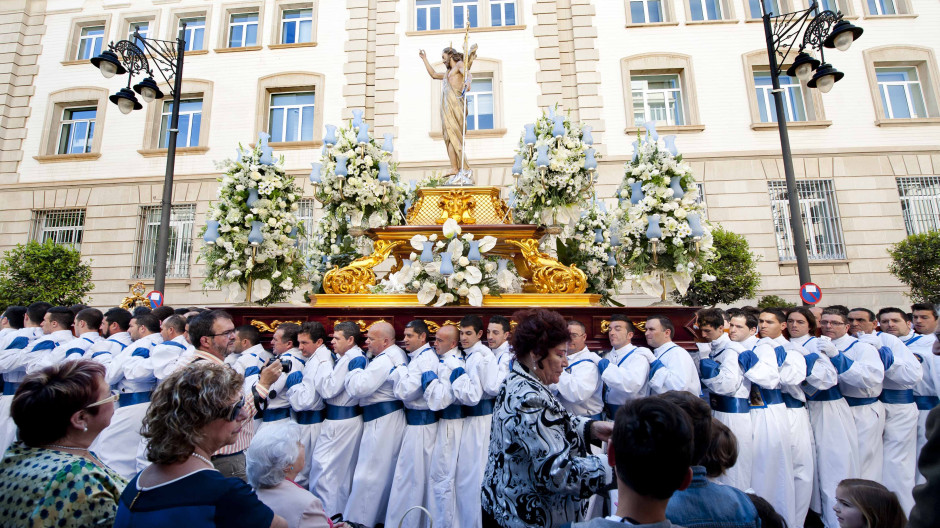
822,30
127,57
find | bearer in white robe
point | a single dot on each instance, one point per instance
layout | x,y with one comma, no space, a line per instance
114,330
673,368
284,343
442,470
85,327
307,405
579,387
625,369
498,332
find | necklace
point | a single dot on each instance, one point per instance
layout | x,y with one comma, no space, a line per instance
204,459
67,447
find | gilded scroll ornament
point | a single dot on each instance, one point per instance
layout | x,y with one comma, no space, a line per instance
639,325
137,299
270,328
362,324
457,205
549,275
358,276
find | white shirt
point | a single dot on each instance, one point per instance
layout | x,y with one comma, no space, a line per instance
376,382
727,379
627,376
863,374
673,369
481,368
14,366
278,391
330,383
131,359
72,349
579,386
408,385
105,350
439,394
903,371
164,359
304,396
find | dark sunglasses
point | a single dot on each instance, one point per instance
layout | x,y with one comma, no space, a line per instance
232,414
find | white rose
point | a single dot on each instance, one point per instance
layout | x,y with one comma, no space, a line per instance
463,261
463,291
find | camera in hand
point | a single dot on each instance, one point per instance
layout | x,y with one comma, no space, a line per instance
286,363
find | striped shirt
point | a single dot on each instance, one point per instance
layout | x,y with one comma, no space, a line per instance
243,440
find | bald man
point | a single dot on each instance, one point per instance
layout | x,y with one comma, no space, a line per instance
373,383
442,469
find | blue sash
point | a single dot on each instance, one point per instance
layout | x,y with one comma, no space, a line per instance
378,410
611,410
9,388
791,402
598,416
452,412
338,412
481,409
728,404
830,394
420,417
770,397
133,398
858,402
898,397
926,403
309,417
273,415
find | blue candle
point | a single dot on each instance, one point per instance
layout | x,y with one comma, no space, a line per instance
426,254
341,169
676,185
447,265
636,150
474,253
501,265
267,156
695,224
330,138
315,173
517,165
650,127
530,138
212,232
598,236
542,158
357,117
255,237
590,163
636,192
586,136
388,145
653,230
363,136
558,129
611,261
384,176
252,197
671,145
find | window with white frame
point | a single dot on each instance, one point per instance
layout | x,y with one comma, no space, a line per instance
882,7
305,217
700,198
296,26
646,11
705,9
427,15
821,225
62,226
291,117
792,97
480,104
657,98
502,12
243,30
466,11
142,27
182,218
77,130
756,11
902,96
920,203
190,123
194,34
89,42
828,5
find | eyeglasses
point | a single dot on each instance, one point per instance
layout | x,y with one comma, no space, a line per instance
831,323
112,398
226,333
232,414
576,336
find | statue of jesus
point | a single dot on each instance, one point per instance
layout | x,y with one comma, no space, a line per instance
455,83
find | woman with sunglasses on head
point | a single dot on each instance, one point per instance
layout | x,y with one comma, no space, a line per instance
193,413
49,477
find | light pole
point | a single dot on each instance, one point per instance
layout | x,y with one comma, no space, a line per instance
127,57
822,30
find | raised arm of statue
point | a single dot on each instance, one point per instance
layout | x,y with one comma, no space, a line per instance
431,72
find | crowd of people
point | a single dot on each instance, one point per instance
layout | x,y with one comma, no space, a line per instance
153,417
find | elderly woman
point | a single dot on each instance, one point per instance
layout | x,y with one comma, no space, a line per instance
275,457
539,471
193,413
49,477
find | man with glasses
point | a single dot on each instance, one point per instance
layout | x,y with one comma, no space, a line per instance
579,387
861,375
285,346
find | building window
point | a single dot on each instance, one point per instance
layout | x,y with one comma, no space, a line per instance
901,94
243,30
142,27
77,130
182,218
646,11
292,117
428,15
821,224
700,198
502,12
705,9
755,10
305,217
480,104
657,98
89,42
920,203
881,7
62,226
194,34
465,11
792,97
190,123
296,26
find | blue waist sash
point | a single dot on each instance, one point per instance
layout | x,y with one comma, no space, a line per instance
338,412
611,410
858,402
452,412
133,398
791,402
598,416
926,403
378,410
9,388
770,397
273,415
896,396
309,417
729,404
481,409
830,394
420,416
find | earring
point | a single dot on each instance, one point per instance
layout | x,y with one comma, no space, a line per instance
85,429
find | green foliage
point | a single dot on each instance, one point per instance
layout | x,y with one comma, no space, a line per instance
774,301
733,274
916,262
48,272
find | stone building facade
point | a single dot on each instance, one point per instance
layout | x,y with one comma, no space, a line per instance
867,154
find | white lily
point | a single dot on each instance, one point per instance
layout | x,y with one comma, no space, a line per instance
475,296
487,243
417,242
455,248
427,292
504,279
473,275
451,228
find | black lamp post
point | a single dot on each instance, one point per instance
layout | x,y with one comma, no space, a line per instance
822,30
127,57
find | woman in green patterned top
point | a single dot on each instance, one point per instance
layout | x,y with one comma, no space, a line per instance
50,478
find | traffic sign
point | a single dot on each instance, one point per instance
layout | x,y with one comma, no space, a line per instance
156,299
811,293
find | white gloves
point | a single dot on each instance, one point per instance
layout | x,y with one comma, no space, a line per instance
826,346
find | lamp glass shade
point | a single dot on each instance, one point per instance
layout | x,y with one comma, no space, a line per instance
804,71
108,69
652,229
474,254
530,138
824,83
542,157
426,252
844,40
148,94
125,105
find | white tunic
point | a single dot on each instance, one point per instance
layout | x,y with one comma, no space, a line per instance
103,351
278,409
308,406
73,348
673,369
626,377
442,471
925,392
579,387
504,355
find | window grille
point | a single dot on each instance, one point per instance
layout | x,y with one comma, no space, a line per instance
920,203
701,198
821,224
182,218
63,226
304,214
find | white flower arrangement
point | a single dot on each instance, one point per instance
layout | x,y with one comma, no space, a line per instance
552,194
591,244
468,279
274,266
659,201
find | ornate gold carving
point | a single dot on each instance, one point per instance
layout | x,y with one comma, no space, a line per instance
549,275
358,276
363,325
434,327
265,327
639,325
458,206
137,299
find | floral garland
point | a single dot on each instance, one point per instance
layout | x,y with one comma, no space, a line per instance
555,167
591,244
257,202
369,195
466,279
659,211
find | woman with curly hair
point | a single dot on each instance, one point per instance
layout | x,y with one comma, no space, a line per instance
540,471
193,413
49,477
